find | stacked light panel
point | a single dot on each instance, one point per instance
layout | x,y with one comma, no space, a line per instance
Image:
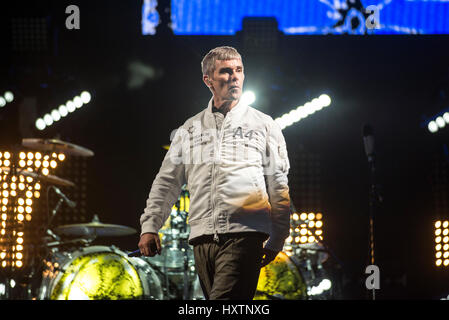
305,228
442,243
18,191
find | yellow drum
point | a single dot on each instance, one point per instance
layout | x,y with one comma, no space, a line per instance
281,279
98,273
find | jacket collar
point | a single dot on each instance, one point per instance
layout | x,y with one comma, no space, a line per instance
238,108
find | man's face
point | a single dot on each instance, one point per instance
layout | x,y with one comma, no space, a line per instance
226,82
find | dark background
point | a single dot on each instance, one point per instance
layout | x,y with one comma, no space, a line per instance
392,83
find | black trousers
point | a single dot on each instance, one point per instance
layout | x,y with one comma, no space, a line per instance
229,269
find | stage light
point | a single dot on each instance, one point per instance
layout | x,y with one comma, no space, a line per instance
440,122
63,110
2,102
85,97
326,284
446,117
323,286
12,225
432,126
9,96
304,229
325,100
70,106
78,102
55,115
48,119
441,236
304,111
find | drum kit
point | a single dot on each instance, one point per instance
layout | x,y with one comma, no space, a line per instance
71,267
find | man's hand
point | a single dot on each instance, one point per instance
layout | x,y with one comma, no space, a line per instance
269,256
150,244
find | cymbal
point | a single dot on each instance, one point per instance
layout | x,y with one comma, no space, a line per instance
94,228
55,145
48,178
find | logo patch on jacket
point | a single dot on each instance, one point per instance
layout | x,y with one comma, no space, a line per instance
239,132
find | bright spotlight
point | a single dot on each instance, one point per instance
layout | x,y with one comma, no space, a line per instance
302,112
432,126
63,110
446,117
40,124
9,97
440,122
48,119
78,102
2,102
248,97
70,106
316,104
295,115
309,108
325,284
55,115
85,97
325,100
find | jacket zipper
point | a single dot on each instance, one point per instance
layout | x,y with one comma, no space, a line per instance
216,239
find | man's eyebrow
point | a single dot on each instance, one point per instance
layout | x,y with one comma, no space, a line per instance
229,68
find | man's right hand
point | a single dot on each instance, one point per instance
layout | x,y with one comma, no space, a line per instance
150,244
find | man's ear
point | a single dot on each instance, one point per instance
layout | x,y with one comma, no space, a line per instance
207,81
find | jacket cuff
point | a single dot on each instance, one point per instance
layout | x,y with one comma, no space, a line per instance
149,226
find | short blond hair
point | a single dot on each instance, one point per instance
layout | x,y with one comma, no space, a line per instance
219,53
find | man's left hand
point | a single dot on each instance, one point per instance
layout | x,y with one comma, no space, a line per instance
268,256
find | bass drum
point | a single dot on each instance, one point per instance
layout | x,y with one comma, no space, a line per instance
98,273
281,279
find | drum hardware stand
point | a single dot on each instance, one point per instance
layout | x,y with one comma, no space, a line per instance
186,276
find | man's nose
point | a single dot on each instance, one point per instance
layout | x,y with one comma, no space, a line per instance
233,77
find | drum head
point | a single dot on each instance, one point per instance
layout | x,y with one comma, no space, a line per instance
99,273
281,279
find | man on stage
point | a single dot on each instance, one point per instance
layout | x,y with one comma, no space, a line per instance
235,163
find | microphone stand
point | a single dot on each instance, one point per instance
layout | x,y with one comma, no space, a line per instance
375,198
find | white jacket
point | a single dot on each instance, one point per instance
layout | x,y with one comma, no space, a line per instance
236,176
